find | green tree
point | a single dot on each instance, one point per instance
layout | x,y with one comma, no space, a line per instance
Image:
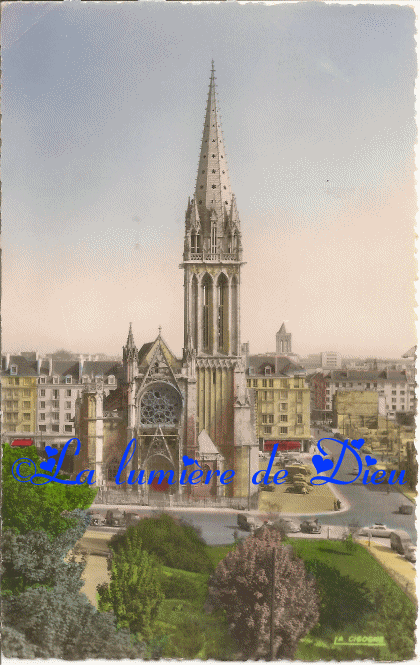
27,507
134,592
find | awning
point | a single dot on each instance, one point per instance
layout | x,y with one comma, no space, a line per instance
22,442
282,445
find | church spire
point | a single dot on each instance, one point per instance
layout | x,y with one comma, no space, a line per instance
130,339
213,190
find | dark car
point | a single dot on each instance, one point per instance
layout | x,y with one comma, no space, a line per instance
131,518
308,526
115,518
96,519
405,509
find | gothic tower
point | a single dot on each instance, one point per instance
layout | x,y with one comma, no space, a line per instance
283,341
212,263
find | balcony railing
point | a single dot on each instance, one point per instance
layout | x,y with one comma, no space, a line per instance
208,256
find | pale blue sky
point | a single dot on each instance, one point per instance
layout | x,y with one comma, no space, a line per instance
103,106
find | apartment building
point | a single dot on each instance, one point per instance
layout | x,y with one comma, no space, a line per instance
282,402
39,395
19,396
394,386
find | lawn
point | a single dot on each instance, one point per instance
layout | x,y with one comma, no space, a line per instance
359,598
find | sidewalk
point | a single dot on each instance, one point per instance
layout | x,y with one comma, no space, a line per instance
402,571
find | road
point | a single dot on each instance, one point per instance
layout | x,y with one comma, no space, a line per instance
369,503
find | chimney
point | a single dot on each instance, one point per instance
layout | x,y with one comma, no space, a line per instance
50,363
7,361
38,365
80,367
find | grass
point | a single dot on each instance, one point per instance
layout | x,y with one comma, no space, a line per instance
349,580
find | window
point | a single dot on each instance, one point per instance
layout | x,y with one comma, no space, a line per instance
68,428
26,416
367,386
56,394
283,418
26,428
394,392
270,383
42,405
402,392
248,383
264,418
267,370
68,416
270,395
55,379
42,393
271,419
264,383
213,237
42,416
42,428
402,407
68,379
283,407
283,430
85,379
255,383
283,394
56,416
299,418
111,379
16,381
267,430
13,369
351,385
26,405
26,393
337,385
375,385
394,407
42,379
56,404
394,399
68,393
299,395
296,383
264,395
68,405
55,428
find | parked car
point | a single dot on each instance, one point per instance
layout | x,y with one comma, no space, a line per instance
406,509
246,522
115,518
131,518
297,489
266,488
377,530
310,526
288,524
400,541
410,553
96,519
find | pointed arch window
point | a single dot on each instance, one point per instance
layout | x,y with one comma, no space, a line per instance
206,299
213,239
222,314
194,246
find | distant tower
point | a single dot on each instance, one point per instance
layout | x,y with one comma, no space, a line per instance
283,341
130,355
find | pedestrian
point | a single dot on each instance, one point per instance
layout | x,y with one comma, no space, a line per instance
338,504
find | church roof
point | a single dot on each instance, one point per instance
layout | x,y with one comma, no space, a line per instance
282,329
206,445
213,189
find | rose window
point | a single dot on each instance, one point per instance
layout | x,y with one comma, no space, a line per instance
160,406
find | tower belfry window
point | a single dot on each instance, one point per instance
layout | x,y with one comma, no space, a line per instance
213,238
206,312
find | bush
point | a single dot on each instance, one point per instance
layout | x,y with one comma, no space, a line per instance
177,585
175,543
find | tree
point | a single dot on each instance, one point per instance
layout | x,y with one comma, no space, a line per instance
241,585
27,507
134,592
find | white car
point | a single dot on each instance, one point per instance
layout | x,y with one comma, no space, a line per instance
377,530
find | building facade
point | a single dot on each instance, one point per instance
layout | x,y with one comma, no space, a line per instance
197,405
282,403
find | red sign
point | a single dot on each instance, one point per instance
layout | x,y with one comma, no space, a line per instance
282,445
22,442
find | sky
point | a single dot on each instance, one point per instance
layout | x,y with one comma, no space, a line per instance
103,109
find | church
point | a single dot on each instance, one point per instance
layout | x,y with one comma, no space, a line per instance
197,405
